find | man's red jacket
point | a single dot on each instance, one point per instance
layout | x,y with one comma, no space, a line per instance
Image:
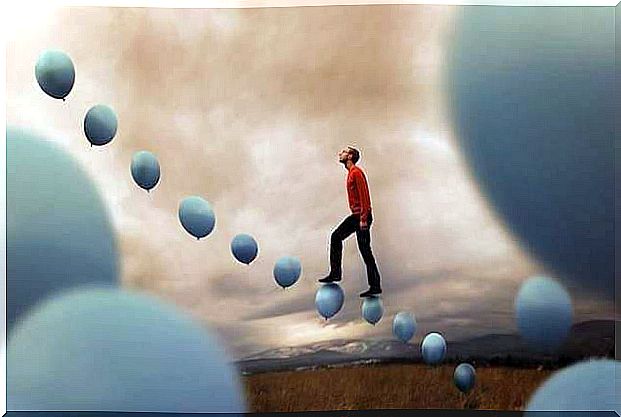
358,194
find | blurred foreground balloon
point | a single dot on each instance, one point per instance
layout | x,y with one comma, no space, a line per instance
197,216
59,234
55,73
244,248
544,313
589,386
105,349
100,124
372,309
534,111
433,348
329,300
404,326
464,377
145,170
287,271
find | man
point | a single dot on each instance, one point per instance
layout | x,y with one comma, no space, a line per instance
359,222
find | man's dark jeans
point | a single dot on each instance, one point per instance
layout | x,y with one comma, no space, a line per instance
350,225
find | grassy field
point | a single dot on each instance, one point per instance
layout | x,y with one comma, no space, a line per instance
389,386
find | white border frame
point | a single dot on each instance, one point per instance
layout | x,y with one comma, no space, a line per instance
237,4
13,6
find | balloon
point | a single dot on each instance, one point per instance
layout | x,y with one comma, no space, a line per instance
372,309
534,114
110,350
244,248
145,170
433,348
585,387
55,73
329,300
464,377
196,216
404,326
100,124
544,313
59,232
287,271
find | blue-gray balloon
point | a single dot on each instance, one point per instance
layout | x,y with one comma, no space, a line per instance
244,248
544,313
100,124
588,388
110,350
145,170
534,112
287,271
372,309
55,73
197,216
433,348
329,300
59,232
464,377
404,326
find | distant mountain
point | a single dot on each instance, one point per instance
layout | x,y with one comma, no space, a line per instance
587,339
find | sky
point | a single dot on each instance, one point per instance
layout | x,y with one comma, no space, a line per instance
248,109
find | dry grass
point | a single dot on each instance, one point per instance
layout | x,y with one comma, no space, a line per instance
389,386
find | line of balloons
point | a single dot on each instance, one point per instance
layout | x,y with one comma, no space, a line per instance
329,301
55,74
433,349
198,219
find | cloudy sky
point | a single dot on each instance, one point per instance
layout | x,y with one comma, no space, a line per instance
248,109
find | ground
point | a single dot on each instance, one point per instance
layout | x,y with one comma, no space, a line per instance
389,386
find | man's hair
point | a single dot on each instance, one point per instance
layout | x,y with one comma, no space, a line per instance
355,154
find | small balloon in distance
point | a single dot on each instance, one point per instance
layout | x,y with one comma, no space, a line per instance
55,73
287,271
433,348
196,216
244,248
100,125
145,170
404,326
464,377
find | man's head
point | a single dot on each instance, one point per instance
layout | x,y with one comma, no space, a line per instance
349,154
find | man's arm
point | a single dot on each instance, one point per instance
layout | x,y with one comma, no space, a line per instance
365,199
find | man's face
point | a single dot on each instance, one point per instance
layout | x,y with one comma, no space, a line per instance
344,155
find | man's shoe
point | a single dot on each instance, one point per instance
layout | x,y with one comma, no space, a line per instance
329,279
371,292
